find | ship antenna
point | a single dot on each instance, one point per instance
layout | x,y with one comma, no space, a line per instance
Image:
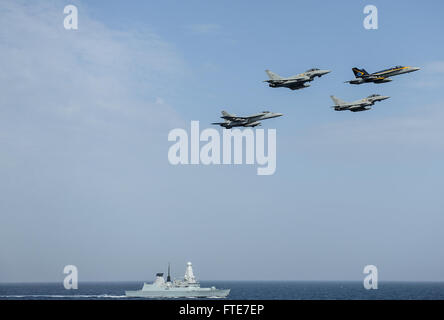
168,277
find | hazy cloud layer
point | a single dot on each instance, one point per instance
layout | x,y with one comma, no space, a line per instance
82,114
84,119
430,76
203,28
76,74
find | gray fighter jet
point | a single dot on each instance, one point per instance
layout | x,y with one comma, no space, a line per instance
363,76
232,120
296,82
359,105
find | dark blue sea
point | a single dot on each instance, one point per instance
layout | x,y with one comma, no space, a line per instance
240,290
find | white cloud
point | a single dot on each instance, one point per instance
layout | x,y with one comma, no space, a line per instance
434,67
84,73
79,129
430,76
204,28
361,134
159,100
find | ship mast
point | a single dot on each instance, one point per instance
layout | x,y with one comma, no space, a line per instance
169,276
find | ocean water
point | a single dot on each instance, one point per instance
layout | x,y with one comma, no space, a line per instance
240,290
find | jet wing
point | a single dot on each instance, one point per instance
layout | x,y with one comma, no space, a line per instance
297,85
234,118
298,79
253,124
294,79
357,108
231,117
371,77
274,81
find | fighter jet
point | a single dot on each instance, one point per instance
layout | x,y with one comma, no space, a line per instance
363,76
232,120
294,82
359,105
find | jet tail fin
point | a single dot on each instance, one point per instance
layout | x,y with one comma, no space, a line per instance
273,76
226,114
359,73
338,101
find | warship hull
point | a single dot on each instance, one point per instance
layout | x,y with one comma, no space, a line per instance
174,293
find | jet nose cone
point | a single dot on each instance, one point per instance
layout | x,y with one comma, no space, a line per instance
384,97
278,114
415,68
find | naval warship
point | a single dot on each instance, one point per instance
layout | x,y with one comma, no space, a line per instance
188,287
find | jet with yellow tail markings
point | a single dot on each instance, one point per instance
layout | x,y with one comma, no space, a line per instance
362,76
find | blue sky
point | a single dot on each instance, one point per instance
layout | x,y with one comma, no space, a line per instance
85,115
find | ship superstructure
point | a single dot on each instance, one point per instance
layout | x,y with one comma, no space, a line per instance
187,287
